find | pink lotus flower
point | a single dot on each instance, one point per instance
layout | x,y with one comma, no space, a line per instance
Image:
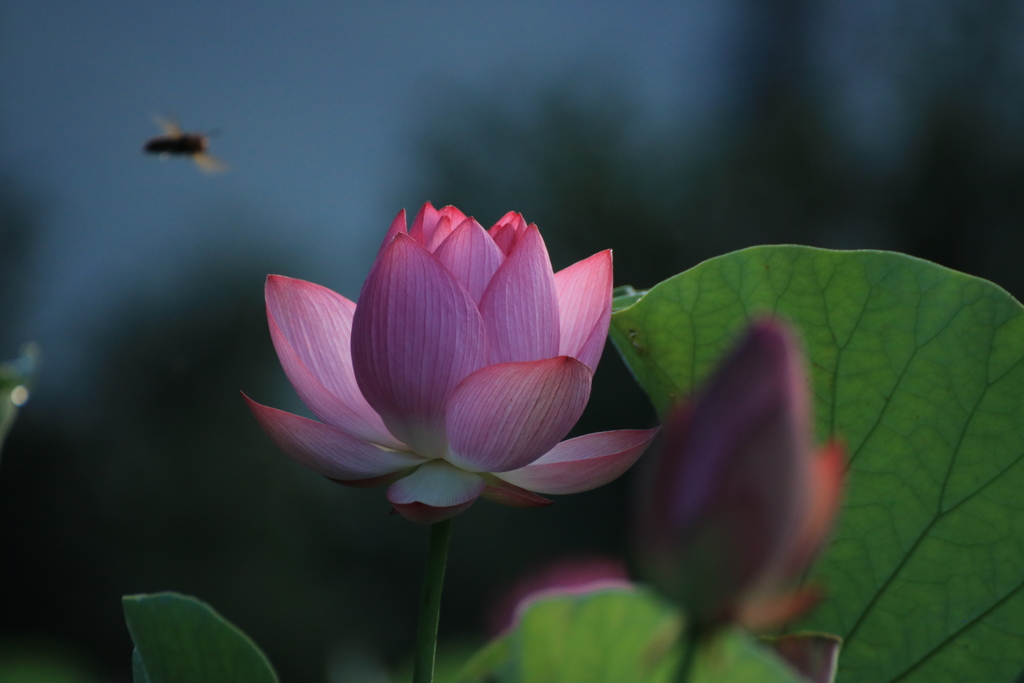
464,365
741,503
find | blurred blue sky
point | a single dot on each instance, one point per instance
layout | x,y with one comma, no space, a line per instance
318,104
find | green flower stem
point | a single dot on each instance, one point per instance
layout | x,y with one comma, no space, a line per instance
430,602
690,640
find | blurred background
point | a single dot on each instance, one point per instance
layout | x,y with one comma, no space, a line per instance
669,131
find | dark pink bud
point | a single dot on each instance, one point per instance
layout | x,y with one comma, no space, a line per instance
739,502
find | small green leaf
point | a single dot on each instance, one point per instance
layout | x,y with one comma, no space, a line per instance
624,296
614,636
919,370
179,639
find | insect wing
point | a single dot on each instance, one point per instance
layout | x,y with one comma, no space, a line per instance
208,163
170,128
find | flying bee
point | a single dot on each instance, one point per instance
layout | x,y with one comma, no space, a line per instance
176,142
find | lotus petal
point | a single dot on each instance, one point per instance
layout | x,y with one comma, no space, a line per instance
520,307
506,232
397,226
505,416
514,219
310,326
504,493
471,256
584,292
435,491
583,463
424,222
441,232
415,335
329,451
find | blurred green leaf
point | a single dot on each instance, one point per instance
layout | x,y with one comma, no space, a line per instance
26,664
139,674
457,660
179,639
919,370
734,656
611,636
490,663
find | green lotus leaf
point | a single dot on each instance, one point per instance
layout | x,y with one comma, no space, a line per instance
612,636
179,639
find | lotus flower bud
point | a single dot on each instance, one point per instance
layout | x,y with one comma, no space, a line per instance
740,502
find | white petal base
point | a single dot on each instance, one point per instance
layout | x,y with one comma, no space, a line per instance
435,491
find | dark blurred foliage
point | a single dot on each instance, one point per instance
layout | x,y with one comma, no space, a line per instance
774,167
162,480
19,223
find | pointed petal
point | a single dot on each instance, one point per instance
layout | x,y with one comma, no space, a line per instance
504,237
328,451
504,493
428,220
397,226
514,219
505,416
520,307
443,228
507,230
583,463
593,347
311,329
471,256
585,307
424,222
454,216
435,491
415,335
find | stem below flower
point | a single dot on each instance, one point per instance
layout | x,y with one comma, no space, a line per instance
689,640
430,602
